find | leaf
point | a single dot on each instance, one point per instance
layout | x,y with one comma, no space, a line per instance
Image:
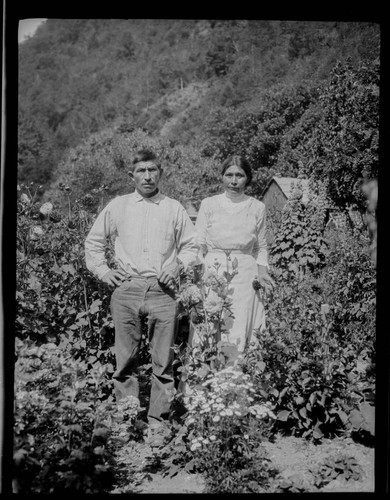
317,433
68,269
283,415
356,419
260,366
302,412
94,307
325,309
282,393
75,428
343,416
20,455
35,284
101,432
365,417
53,384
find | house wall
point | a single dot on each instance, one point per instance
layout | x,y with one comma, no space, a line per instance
274,197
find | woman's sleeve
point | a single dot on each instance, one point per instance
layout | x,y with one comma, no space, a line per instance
201,230
260,251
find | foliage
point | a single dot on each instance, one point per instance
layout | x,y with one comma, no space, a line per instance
81,76
258,134
313,362
346,145
62,418
224,416
362,421
341,466
370,189
298,245
57,299
99,167
308,379
350,288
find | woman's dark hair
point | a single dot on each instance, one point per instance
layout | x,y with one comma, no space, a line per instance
241,162
145,155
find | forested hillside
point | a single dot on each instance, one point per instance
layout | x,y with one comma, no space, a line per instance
198,90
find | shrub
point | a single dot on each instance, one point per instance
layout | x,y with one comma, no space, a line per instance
62,418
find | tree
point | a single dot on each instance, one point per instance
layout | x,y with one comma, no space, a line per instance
346,145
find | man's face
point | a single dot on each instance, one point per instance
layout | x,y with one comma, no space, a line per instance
146,176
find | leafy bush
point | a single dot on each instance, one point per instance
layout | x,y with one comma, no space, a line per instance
346,141
56,297
350,289
62,418
315,360
308,378
298,245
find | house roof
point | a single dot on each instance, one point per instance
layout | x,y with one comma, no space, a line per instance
287,185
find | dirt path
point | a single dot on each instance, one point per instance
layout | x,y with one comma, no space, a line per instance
294,458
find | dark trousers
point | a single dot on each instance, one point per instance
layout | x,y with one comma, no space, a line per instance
131,302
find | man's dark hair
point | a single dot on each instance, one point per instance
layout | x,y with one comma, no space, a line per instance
145,155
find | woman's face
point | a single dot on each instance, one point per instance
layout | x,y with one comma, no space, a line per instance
234,180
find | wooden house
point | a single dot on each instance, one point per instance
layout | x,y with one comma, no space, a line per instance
280,189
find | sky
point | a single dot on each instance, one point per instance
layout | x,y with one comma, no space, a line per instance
27,27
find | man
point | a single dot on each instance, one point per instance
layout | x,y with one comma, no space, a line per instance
154,237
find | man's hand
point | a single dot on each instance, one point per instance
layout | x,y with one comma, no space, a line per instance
169,275
264,279
114,277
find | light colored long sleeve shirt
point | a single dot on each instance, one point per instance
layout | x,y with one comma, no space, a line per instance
150,234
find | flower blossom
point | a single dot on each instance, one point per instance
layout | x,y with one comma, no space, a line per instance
36,232
213,305
24,198
191,295
46,209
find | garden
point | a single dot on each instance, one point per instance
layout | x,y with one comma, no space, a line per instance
295,412
305,385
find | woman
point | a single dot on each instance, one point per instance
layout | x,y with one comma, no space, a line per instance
232,224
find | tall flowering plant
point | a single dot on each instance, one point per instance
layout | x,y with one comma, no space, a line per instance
205,297
222,404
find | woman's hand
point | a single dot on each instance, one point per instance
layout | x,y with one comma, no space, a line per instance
264,279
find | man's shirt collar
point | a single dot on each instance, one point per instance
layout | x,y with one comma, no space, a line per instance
155,199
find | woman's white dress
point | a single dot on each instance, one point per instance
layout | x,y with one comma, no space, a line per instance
239,228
